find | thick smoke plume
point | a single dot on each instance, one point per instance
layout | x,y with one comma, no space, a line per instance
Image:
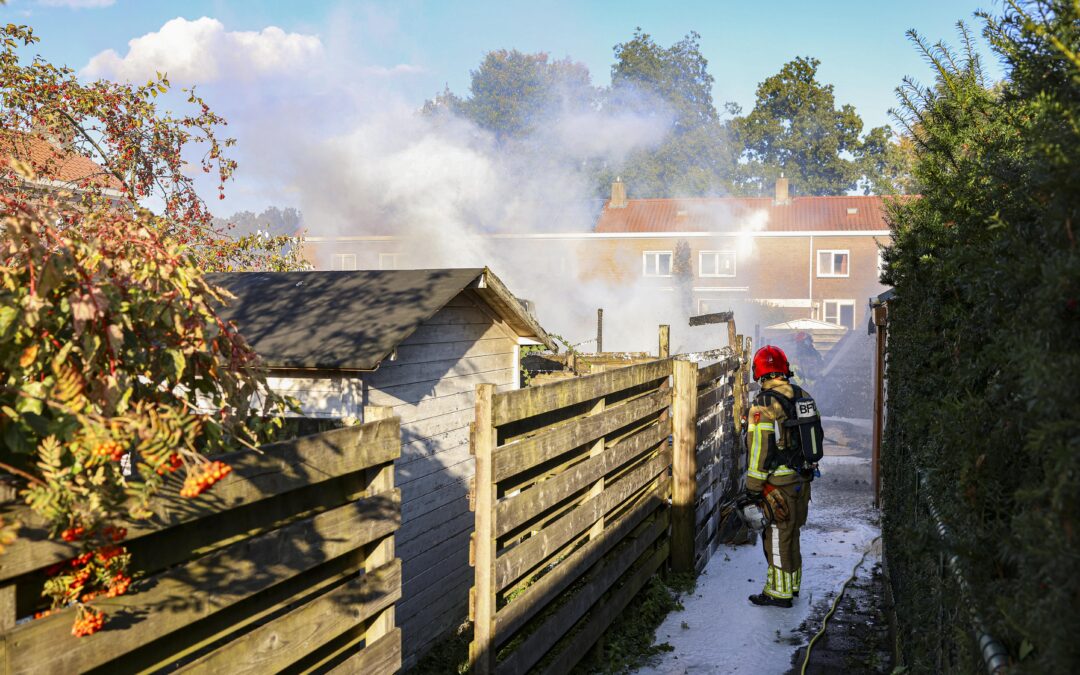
345,143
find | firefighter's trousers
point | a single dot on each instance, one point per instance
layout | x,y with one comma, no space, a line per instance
781,543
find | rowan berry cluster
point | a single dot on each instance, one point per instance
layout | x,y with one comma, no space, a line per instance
88,622
109,450
174,462
201,479
73,533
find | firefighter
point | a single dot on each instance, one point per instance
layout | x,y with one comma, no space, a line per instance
777,476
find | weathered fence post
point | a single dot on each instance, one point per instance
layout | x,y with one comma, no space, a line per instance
739,386
684,464
665,341
482,648
382,480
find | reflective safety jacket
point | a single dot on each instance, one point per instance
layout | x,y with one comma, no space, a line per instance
763,431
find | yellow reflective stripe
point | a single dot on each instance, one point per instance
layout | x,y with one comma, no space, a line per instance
755,449
783,470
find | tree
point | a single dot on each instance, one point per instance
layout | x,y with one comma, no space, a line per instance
511,93
115,371
671,84
796,129
984,327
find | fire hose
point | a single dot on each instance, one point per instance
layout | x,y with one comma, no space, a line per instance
835,604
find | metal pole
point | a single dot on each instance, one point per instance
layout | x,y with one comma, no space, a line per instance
600,331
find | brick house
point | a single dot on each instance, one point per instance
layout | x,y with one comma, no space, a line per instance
808,257
804,257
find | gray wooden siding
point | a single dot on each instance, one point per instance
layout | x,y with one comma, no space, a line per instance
430,386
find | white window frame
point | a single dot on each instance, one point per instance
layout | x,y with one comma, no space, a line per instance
717,253
832,258
645,263
344,262
839,302
389,261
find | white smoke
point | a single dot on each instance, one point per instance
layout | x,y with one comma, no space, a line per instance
342,140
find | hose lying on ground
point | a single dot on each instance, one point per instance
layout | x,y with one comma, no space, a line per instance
835,604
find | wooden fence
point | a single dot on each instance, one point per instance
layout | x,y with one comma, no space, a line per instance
570,496
720,461
287,563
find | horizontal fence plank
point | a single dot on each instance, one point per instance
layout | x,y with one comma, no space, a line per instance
708,399
278,468
520,559
518,456
277,644
600,618
512,406
597,582
512,512
536,597
717,370
383,656
174,599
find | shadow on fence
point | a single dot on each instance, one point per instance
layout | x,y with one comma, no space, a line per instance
287,563
573,485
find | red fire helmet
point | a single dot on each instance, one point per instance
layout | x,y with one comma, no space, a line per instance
770,359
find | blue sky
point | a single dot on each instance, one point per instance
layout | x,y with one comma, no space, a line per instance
861,45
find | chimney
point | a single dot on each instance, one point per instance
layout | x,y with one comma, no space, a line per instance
618,195
782,190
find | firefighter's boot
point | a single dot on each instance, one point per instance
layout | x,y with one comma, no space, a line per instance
777,591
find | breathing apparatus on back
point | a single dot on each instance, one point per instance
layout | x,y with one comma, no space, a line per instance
803,435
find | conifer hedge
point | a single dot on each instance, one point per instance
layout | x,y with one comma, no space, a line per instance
984,348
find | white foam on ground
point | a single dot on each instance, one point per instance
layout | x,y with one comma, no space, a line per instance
725,633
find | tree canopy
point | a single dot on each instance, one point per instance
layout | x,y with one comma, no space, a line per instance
511,92
796,128
674,85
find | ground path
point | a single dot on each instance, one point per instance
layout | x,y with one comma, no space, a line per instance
719,631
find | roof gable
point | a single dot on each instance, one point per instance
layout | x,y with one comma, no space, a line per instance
351,320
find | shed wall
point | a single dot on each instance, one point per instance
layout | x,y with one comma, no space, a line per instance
431,388
430,385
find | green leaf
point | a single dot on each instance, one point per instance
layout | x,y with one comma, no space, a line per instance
7,316
178,362
1025,649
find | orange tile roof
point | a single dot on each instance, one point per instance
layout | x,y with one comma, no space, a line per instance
720,214
56,164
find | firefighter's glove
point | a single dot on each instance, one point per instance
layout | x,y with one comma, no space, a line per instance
777,503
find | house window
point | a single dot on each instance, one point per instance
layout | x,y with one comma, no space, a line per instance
840,312
389,261
716,263
343,261
656,263
832,263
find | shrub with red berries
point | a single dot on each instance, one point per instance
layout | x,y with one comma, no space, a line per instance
117,371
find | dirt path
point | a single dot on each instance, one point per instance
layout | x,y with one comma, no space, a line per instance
719,631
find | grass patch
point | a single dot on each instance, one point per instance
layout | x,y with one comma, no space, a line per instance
628,643
448,655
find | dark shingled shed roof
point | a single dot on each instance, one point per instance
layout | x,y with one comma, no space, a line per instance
352,320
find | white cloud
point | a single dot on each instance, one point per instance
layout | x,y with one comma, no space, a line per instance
77,4
202,51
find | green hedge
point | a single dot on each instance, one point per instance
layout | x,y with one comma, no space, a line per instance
984,348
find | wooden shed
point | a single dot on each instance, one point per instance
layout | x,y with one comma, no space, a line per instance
418,341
